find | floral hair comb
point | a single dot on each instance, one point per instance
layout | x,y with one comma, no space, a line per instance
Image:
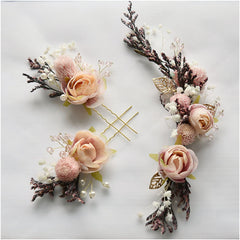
75,81
183,93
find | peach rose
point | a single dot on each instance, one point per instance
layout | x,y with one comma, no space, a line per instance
79,87
67,169
89,150
200,118
177,162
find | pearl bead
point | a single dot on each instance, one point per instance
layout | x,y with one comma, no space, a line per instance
106,184
92,194
63,97
43,76
50,150
83,194
82,182
63,154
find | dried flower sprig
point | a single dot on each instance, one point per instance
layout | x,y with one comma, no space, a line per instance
70,190
43,80
141,45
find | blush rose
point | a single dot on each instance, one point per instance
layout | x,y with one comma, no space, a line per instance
79,87
89,150
177,162
200,118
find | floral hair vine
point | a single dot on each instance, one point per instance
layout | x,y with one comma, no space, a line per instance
73,80
183,93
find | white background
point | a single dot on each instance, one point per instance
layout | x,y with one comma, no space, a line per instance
210,33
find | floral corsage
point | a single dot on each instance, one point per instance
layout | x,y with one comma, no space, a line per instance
79,161
75,81
194,114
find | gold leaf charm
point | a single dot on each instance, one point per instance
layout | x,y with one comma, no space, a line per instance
164,85
157,181
210,108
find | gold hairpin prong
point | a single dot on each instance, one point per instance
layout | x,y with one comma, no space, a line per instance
110,124
119,118
125,124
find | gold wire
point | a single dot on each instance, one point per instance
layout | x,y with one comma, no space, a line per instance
118,118
110,124
119,131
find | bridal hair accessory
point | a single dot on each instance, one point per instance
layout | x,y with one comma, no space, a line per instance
79,160
74,81
183,93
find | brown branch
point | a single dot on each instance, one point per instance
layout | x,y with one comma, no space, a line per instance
70,190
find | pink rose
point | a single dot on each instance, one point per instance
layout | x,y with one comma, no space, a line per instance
89,150
177,162
183,99
79,87
200,118
67,169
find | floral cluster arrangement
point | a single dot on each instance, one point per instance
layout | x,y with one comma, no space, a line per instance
75,81
79,161
184,94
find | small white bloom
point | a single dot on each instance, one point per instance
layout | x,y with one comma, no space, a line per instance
40,61
160,25
156,204
179,90
47,50
42,178
42,162
159,212
161,208
167,203
167,194
176,117
169,217
140,215
174,133
172,110
51,76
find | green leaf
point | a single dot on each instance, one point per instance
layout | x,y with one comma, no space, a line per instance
89,110
162,162
113,151
179,140
191,177
197,99
92,129
97,176
66,103
154,156
105,83
215,120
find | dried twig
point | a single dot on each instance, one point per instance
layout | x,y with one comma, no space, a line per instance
70,190
42,83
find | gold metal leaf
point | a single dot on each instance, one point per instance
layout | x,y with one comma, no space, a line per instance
164,85
210,108
157,181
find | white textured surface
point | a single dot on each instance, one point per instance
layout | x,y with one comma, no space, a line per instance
210,33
